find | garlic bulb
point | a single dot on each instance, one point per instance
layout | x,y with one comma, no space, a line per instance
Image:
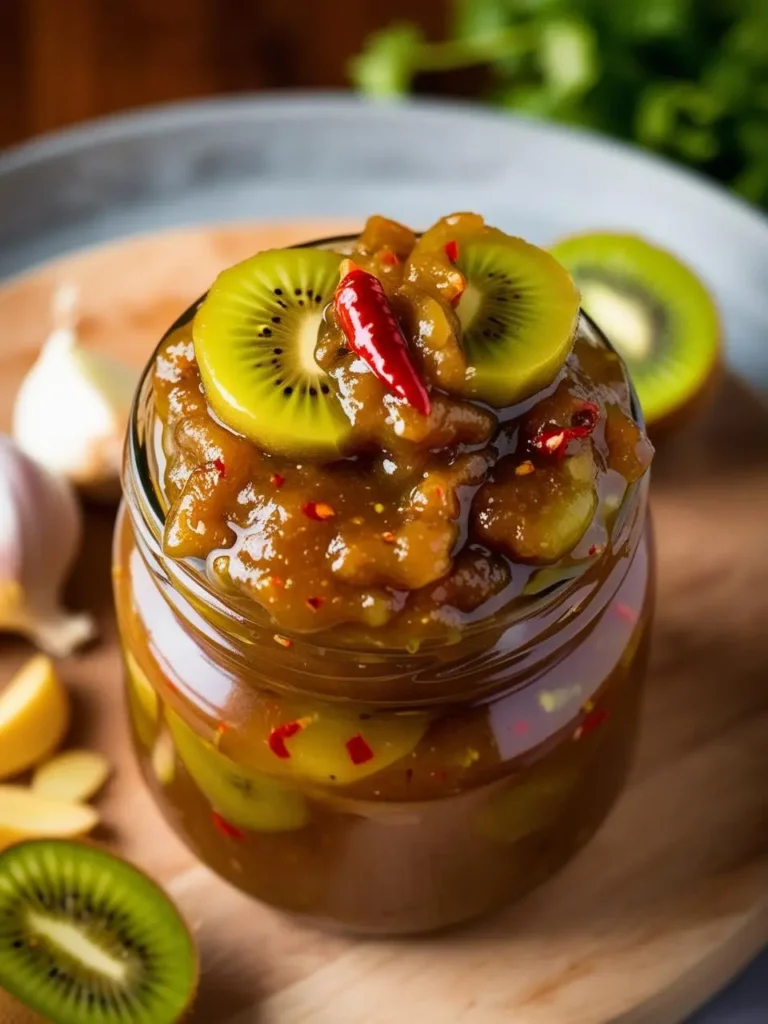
72,408
40,533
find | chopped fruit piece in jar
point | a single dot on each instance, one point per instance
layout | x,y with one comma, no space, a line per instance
629,451
435,330
245,798
541,517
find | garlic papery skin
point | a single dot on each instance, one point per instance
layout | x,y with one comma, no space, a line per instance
40,535
72,409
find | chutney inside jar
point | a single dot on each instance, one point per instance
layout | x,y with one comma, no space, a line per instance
385,609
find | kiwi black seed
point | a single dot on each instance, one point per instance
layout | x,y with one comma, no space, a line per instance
85,938
518,316
655,311
255,335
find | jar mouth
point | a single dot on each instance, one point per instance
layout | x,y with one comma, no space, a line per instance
189,575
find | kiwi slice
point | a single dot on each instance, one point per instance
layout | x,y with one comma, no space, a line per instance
254,337
247,798
518,317
85,937
654,309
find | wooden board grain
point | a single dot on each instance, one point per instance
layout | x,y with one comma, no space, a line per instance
669,899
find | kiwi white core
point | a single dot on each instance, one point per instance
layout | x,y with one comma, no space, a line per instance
469,306
622,318
70,940
306,340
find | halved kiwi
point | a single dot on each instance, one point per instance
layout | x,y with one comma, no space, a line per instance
85,938
654,309
517,306
250,799
255,335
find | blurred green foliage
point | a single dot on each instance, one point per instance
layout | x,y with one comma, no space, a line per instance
687,78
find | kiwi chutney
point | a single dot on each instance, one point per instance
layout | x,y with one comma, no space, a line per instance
384,577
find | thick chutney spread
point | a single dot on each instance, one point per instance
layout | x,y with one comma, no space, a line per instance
384,581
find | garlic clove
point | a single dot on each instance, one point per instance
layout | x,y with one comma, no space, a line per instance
74,776
34,716
25,815
72,409
40,535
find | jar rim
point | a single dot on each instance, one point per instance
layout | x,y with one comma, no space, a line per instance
185,575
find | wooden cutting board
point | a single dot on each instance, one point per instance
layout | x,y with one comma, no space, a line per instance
670,898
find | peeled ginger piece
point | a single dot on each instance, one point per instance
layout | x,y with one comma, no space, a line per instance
75,776
34,715
26,815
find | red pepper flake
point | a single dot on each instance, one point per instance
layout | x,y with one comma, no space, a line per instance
554,440
280,734
521,727
226,828
277,581
220,467
625,612
358,749
315,602
388,537
277,480
221,728
451,250
282,640
389,258
441,775
596,549
592,721
439,493
317,510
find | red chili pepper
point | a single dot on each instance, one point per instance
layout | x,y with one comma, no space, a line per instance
279,735
358,750
226,828
220,467
315,602
371,330
554,440
277,480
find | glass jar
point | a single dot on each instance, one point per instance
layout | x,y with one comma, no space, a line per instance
381,791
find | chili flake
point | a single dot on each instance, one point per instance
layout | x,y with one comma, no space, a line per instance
596,549
525,468
389,258
440,493
553,440
388,537
220,467
592,721
315,602
625,612
277,480
358,749
317,510
277,581
280,734
226,828
282,640
451,250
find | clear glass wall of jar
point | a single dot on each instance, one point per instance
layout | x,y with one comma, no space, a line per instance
383,792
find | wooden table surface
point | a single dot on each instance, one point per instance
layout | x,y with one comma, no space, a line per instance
670,898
